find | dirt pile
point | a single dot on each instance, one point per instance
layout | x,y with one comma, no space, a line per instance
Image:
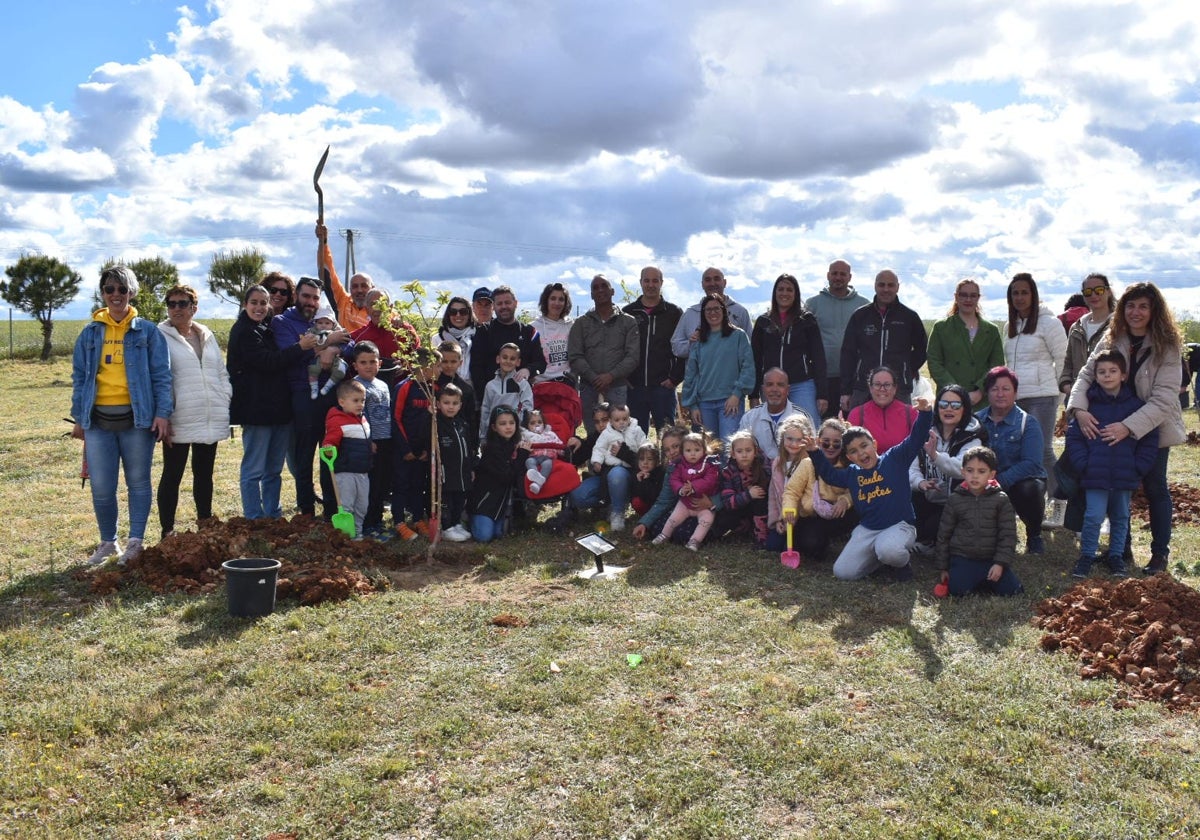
319,563
1185,501
1142,633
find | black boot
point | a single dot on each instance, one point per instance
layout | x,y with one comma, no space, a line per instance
1158,564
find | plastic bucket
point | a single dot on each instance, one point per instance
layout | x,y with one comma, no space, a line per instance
250,584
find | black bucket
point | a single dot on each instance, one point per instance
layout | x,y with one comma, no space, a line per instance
250,583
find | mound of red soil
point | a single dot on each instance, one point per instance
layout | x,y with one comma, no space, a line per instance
1142,633
319,562
1185,501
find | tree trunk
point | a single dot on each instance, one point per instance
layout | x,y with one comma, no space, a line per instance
47,331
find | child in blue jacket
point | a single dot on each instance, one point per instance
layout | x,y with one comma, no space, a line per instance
1108,473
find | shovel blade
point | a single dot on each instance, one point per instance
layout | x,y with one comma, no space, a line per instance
344,522
791,559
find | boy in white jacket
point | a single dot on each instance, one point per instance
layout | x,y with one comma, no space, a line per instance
622,429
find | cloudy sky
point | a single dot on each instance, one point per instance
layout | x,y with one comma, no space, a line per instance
530,141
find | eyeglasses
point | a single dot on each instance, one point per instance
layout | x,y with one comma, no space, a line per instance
116,290
714,310
178,304
955,404
831,444
966,296
883,386
1094,290
280,290
458,311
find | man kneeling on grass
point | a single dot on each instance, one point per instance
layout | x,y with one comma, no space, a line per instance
879,490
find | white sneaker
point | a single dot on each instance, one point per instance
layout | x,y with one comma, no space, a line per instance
535,477
107,549
534,487
133,550
456,533
616,522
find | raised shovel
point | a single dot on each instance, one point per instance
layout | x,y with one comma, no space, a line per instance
789,558
342,520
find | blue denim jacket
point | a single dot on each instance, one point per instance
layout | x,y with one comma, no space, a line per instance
147,368
1017,442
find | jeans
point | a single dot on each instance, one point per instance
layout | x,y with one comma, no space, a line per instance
589,398
175,458
652,400
485,529
1102,502
106,453
717,422
263,451
1045,411
967,575
804,394
617,480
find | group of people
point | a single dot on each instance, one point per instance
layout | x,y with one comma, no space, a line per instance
826,376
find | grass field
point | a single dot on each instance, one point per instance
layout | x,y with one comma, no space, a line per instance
23,339
767,703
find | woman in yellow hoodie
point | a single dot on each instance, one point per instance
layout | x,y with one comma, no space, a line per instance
122,404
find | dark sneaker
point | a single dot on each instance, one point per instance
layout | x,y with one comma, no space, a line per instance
1082,567
902,574
1158,564
1117,567
1035,545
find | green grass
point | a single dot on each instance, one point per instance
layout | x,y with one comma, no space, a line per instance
25,339
768,703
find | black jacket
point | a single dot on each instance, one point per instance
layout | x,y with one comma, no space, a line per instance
257,370
896,339
655,328
501,464
456,449
490,337
798,349
470,407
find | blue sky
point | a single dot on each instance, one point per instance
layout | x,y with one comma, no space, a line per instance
538,141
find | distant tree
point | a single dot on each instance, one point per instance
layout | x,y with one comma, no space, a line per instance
231,273
39,285
155,275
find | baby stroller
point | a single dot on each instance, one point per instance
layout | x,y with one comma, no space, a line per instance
560,405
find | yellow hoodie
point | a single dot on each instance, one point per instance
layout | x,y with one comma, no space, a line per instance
112,384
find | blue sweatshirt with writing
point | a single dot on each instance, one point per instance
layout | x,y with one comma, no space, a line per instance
881,496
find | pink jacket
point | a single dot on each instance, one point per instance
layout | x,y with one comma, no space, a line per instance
704,478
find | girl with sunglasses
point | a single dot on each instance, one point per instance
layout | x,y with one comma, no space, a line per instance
937,469
458,325
824,511
122,403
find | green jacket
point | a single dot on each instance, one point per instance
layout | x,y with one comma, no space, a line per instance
977,527
956,360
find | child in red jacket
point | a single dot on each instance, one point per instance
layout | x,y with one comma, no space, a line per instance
347,431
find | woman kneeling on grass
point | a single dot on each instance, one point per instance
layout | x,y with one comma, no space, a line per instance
501,465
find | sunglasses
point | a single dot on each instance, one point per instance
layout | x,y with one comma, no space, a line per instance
116,290
178,304
280,290
458,311
831,444
955,404
1094,290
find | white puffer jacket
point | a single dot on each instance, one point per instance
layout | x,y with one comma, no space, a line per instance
202,389
1037,358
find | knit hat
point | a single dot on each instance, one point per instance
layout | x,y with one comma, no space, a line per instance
326,311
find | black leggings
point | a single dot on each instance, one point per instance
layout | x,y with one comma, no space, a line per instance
1028,497
175,458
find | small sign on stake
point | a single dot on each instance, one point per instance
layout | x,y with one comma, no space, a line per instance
598,546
